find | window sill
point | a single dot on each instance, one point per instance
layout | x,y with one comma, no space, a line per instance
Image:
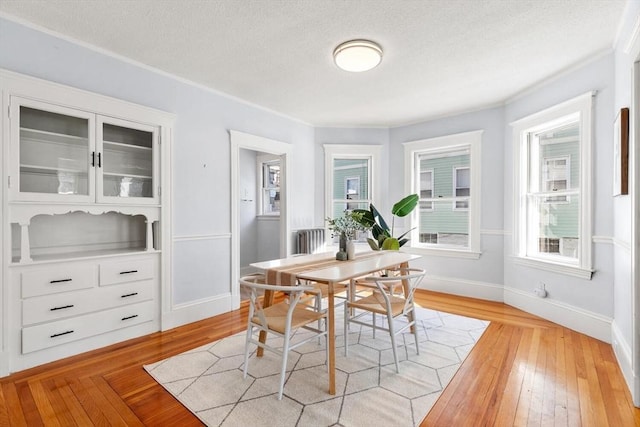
569,270
451,253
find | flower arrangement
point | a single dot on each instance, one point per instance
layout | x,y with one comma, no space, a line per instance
349,224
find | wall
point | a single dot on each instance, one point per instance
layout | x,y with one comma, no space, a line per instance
472,277
201,153
582,304
626,53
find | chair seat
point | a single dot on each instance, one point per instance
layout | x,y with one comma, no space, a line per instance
376,303
276,316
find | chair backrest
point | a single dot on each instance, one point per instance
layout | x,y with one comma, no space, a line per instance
412,276
255,283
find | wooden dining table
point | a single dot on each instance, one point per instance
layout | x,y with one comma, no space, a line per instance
324,268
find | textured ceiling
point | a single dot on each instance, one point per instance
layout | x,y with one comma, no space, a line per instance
440,56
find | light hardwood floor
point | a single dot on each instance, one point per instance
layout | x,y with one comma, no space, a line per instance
523,371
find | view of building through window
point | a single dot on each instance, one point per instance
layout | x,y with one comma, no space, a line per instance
444,189
553,199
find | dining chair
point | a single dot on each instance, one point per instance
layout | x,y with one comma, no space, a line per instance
384,300
282,319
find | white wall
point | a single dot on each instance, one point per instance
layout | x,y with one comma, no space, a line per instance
584,305
482,277
626,53
201,153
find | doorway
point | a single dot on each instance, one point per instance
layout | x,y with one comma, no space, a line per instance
248,151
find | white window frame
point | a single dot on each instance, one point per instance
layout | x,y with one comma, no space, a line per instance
372,153
579,108
471,141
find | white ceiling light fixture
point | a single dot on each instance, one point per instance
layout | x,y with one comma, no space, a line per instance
357,55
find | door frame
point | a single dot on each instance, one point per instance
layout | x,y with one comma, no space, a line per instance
241,140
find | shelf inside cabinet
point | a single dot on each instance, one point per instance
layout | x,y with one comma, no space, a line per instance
46,137
77,234
48,170
130,148
125,175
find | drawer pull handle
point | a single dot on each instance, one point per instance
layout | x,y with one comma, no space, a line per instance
129,317
128,295
129,272
61,308
62,333
60,280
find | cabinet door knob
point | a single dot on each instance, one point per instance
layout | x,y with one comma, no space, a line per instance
60,280
129,317
93,158
99,160
129,295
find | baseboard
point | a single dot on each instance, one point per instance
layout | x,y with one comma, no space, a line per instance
583,321
622,351
463,287
196,310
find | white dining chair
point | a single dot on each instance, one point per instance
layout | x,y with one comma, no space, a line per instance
282,319
386,301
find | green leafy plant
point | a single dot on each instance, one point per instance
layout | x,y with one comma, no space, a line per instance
348,224
383,235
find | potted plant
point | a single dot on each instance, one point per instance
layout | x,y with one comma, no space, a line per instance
383,235
347,226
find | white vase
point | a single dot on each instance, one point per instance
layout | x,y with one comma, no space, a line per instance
351,249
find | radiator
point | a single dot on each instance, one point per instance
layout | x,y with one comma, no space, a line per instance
310,241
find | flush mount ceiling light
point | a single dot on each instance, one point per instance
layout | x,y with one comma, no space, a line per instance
357,55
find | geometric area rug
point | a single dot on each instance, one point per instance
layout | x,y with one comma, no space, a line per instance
208,380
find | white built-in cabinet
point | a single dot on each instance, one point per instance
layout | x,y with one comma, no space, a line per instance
85,213
61,154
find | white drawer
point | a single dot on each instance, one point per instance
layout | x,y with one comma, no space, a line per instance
63,331
127,271
53,307
58,278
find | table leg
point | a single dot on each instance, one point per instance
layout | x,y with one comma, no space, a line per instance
332,341
405,288
267,300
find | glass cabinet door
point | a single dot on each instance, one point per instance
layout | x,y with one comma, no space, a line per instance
51,150
126,163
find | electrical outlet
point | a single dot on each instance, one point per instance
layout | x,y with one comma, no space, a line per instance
540,290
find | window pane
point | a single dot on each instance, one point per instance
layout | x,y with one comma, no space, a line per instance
444,166
426,184
444,225
558,159
556,227
271,187
351,177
